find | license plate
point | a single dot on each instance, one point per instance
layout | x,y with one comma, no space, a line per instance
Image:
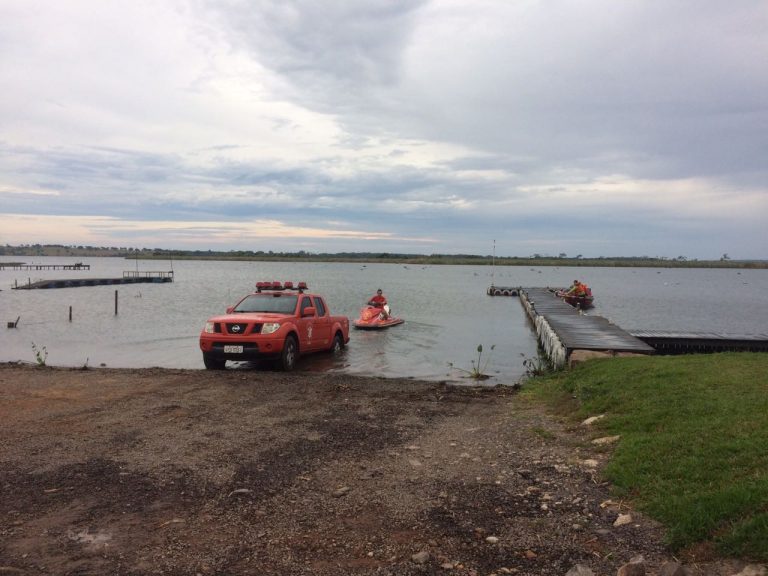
233,349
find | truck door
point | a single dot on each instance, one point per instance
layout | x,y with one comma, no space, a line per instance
322,323
306,328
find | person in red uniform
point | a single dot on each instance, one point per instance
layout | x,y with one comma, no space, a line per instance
576,289
579,289
379,300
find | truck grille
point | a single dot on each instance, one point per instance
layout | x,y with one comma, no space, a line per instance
238,328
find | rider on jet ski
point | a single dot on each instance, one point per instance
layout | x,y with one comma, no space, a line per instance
380,301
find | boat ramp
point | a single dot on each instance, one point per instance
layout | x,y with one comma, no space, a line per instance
562,330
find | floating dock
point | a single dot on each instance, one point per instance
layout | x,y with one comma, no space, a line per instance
127,278
502,290
20,266
561,328
688,342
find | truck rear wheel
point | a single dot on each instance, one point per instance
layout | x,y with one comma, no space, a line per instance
338,344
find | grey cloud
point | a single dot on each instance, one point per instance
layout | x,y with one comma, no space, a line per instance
335,53
661,88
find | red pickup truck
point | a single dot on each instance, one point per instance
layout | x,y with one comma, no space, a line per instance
277,321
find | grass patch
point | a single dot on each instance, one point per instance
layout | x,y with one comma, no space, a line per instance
694,440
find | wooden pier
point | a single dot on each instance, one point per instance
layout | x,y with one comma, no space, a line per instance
23,266
127,278
562,329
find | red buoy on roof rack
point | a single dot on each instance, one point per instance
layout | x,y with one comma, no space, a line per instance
302,286
288,285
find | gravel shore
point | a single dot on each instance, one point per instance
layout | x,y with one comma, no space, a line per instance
179,472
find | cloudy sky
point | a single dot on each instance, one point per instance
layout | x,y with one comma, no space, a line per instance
594,127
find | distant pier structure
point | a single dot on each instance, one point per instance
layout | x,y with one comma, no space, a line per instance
129,277
24,266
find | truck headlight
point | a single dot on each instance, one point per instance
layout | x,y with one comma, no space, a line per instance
270,327
208,328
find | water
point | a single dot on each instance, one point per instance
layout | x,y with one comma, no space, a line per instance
446,310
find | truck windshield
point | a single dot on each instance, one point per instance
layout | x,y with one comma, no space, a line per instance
268,303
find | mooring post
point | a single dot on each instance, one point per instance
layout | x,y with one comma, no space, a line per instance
115,302
70,313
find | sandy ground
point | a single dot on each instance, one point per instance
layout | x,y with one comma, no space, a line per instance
189,472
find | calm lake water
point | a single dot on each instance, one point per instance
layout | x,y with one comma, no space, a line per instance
447,313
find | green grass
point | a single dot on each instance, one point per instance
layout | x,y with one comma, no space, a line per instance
694,441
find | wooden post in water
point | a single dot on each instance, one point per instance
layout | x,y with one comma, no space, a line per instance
115,302
70,313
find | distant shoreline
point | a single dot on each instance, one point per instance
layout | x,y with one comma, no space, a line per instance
375,257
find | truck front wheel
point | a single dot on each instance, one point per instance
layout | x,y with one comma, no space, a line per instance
213,362
290,354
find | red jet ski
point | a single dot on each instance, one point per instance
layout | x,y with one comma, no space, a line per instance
376,318
582,301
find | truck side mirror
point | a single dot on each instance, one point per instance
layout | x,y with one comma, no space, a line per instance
308,311
230,309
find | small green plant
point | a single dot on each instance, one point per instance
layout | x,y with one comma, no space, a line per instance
478,368
534,367
537,366
41,354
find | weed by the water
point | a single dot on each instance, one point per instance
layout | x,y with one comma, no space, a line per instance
478,367
538,366
41,354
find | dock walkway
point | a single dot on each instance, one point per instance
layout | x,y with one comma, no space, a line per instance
561,328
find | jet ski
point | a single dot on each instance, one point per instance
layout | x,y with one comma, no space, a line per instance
376,318
581,301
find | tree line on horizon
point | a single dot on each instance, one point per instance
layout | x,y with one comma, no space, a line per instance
561,259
